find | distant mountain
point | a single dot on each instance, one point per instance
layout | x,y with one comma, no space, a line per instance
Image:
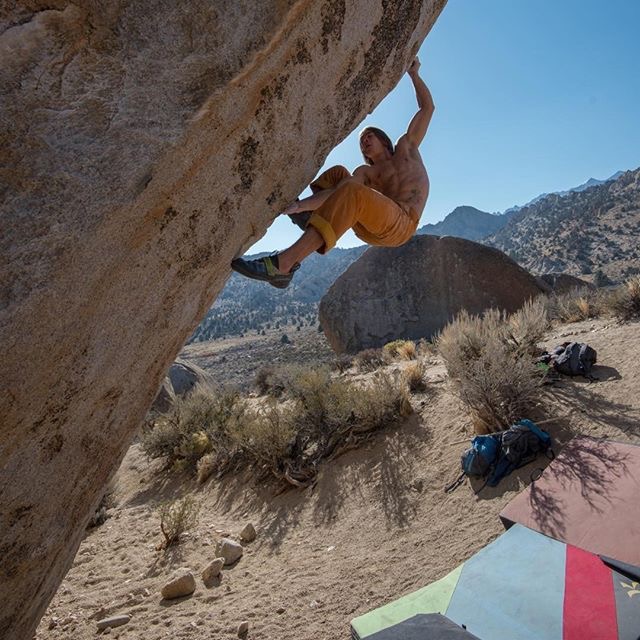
246,304
473,224
465,222
595,226
591,182
590,229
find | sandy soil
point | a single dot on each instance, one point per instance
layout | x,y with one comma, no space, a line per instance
376,526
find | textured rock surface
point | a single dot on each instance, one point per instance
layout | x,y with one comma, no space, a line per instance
144,145
230,550
562,282
182,377
412,291
182,583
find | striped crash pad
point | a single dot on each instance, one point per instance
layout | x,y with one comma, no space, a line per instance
589,496
522,586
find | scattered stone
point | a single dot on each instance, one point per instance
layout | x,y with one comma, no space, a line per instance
243,629
107,630
230,550
280,610
182,583
113,621
248,533
212,570
53,623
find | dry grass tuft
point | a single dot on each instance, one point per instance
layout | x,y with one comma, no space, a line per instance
403,349
492,369
177,517
370,360
576,305
624,302
414,376
197,425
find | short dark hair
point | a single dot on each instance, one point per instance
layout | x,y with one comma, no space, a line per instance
381,135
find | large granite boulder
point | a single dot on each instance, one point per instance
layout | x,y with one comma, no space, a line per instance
182,378
144,145
562,282
413,291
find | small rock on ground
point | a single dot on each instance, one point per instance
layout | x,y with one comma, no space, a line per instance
243,629
212,570
230,550
113,621
182,583
248,533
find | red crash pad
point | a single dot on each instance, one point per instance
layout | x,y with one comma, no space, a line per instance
589,496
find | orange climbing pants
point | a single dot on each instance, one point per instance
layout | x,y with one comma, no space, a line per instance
374,218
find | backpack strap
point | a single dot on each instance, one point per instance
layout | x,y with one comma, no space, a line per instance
452,486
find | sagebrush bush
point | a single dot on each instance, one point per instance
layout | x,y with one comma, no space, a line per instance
493,371
624,302
404,349
529,325
197,424
176,517
575,305
370,359
265,436
414,376
317,415
271,380
342,362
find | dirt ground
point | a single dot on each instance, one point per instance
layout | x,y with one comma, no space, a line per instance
377,525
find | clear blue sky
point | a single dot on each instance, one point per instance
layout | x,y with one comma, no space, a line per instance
530,97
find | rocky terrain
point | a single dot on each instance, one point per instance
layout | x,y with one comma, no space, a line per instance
377,525
247,305
414,290
594,230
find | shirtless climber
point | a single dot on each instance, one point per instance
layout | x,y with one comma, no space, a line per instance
382,201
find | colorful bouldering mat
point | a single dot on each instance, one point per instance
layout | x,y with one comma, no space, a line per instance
589,496
522,586
421,626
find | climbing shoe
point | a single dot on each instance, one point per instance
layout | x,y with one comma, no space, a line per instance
264,269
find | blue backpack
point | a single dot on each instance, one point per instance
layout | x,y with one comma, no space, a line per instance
496,455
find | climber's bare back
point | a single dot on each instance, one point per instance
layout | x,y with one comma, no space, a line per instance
402,177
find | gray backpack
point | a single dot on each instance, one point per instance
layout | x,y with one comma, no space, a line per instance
574,359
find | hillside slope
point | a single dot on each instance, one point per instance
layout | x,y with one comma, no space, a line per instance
466,222
582,232
376,526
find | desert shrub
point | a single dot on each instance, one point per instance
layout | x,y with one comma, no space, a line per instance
370,359
329,413
624,302
176,517
425,348
493,373
271,380
575,305
342,363
403,349
529,325
198,424
414,376
265,436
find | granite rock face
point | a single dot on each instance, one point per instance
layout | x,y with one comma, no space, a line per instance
412,291
143,146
